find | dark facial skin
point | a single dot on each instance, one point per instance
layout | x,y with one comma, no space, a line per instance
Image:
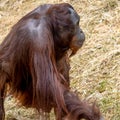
67,31
79,36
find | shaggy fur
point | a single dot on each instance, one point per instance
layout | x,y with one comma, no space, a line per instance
34,62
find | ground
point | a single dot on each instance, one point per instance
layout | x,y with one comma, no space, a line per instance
95,69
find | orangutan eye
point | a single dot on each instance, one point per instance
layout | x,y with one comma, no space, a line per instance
77,23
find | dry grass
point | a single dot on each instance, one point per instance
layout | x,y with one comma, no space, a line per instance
95,70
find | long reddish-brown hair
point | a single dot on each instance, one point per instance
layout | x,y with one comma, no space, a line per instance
34,62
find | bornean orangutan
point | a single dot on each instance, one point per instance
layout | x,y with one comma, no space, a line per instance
34,63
